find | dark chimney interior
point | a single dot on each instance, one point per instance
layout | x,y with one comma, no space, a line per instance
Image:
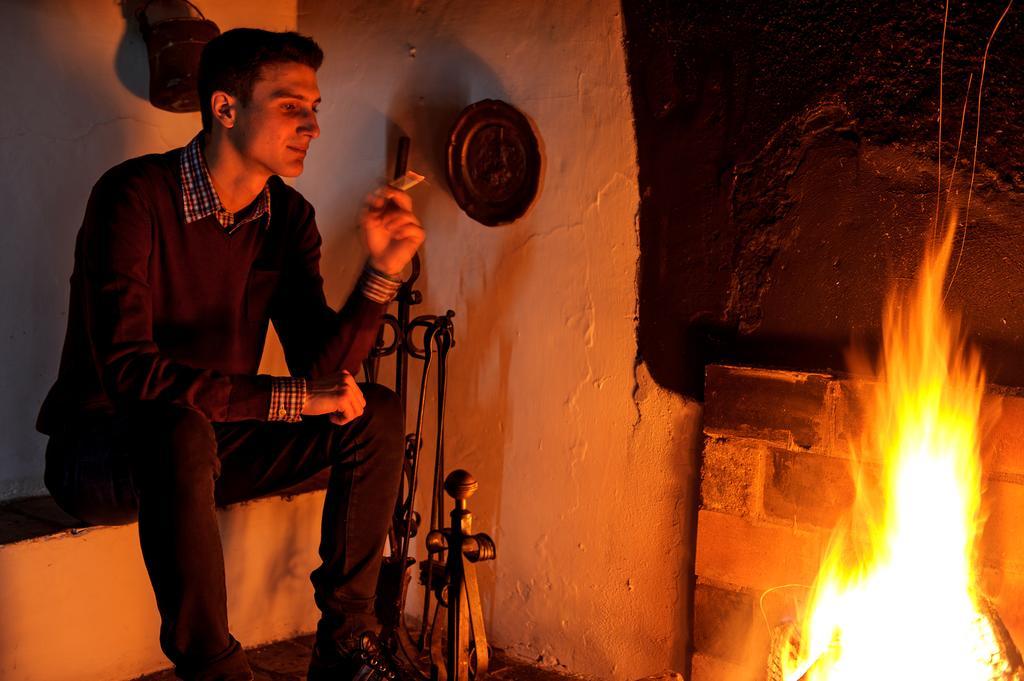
787,170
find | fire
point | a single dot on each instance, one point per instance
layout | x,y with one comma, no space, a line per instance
897,597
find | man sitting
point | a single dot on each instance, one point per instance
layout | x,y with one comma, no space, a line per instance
182,260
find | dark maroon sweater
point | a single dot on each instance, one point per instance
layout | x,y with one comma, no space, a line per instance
163,310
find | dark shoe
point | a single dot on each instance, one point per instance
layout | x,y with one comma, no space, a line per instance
363,661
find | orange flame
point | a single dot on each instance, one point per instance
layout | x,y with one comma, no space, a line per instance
896,597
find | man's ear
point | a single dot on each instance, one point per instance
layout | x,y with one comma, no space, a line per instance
224,108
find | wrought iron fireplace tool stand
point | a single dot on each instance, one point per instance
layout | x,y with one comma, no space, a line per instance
452,579
466,653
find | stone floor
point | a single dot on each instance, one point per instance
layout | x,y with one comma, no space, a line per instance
287,660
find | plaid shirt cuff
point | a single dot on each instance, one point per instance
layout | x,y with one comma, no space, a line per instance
377,286
287,398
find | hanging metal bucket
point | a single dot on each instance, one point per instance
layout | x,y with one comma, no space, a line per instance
175,32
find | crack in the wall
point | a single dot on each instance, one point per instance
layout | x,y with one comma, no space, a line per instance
580,443
537,236
606,187
89,131
637,360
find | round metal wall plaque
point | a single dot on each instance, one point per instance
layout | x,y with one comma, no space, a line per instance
493,162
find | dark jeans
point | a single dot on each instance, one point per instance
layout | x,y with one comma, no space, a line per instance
171,466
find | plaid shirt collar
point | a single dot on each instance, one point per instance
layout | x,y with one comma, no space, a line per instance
200,198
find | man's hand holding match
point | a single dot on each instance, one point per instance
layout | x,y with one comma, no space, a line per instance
392,231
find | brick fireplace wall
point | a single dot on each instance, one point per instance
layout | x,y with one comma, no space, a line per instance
775,478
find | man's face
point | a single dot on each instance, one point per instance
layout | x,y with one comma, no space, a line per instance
274,130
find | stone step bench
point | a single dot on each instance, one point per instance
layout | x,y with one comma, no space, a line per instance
76,602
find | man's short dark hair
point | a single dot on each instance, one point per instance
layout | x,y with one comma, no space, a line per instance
233,62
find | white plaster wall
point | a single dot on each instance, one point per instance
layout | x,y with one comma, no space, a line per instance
584,464
74,88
